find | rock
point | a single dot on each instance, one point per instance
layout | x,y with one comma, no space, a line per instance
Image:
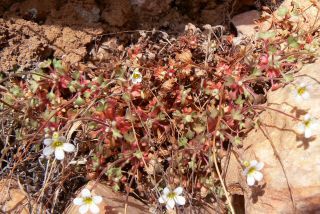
152,7
245,24
113,202
12,198
292,163
117,13
76,13
210,16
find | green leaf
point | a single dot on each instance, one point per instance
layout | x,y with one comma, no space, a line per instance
198,128
236,115
282,11
256,72
293,42
239,101
57,64
190,134
187,119
183,141
16,91
237,141
51,96
129,137
79,101
291,59
116,133
229,80
267,35
45,64
75,75
287,77
33,86
35,75
138,154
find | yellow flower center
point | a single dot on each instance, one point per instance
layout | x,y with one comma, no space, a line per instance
171,195
301,90
57,144
136,76
307,123
251,170
87,200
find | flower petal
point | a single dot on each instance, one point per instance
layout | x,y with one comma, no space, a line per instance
245,171
48,151
307,133
307,117
97,199
59,153
258,176
94,208
163,199
47,141
84,208
68,147
166,191
180,200
305,95
178,190
260,165
253,163
85,193
170,204
250,180
78,201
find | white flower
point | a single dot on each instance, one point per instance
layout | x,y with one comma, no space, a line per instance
252,171
57,145
170,198
136,77
88,202
301,92
308,125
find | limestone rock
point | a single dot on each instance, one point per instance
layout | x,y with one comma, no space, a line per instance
117,13
244,22
12,198
292,163
113,203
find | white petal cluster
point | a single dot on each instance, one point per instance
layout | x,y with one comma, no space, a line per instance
88,202
302,92
57,145
308,125
171,198
252,171
136,77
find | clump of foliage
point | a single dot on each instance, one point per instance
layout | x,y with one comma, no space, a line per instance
197,99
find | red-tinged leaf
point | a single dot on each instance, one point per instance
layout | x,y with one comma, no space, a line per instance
212,123
123,125
309,38
64,81
276,86
136,93
264,59
109,113
142,114
273,73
